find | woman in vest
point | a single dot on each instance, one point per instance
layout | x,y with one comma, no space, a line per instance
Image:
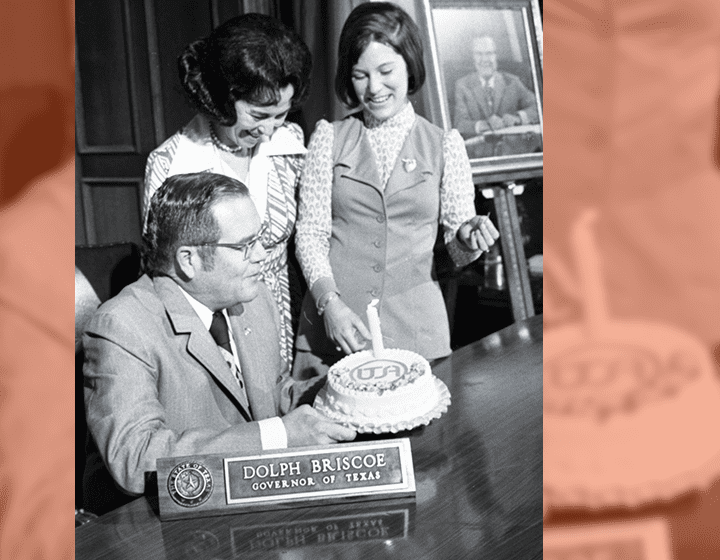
376,187
244,79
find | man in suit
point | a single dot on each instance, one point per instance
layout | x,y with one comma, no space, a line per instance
488,100
186,360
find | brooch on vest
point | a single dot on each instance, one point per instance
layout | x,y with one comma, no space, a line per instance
409,165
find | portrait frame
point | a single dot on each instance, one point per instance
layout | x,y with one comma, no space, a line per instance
497,153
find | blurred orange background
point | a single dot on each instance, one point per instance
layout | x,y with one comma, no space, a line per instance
631,131
631,122
36,279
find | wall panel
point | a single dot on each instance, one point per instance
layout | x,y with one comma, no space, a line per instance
115,205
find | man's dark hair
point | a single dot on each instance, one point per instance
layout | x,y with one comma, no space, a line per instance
180,214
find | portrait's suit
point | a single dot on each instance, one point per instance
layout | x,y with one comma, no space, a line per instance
156,384
509,96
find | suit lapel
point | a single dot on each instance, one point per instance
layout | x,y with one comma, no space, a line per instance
498,92
200,344
258,352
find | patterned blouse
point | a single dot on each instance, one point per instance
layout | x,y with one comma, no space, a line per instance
314,226
272,181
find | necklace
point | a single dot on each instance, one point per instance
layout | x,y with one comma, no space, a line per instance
221,145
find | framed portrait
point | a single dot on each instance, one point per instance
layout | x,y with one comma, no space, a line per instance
486,82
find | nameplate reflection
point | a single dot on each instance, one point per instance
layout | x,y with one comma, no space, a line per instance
241,535
386,525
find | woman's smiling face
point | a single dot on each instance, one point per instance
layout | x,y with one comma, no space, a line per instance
380,80
257,123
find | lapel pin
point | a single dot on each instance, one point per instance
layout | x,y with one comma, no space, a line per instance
248,330
409,165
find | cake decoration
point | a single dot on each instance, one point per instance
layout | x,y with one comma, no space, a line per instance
383,389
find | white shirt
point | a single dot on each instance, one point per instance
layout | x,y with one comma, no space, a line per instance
272,430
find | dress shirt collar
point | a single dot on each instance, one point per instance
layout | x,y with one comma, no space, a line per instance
490,82
402,120
204,312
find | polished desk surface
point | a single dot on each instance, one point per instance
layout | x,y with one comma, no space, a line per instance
478,472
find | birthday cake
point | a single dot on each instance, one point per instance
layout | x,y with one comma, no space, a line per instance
395,391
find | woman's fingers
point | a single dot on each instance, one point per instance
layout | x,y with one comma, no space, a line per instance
483,234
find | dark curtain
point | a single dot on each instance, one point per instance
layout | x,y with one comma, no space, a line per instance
319,23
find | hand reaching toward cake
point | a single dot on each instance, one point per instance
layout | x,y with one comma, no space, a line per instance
344,327
307,426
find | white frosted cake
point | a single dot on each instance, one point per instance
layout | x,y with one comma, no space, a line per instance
396,388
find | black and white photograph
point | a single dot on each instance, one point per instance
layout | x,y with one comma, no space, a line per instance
489,78
277,349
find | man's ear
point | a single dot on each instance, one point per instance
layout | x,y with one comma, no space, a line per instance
188,261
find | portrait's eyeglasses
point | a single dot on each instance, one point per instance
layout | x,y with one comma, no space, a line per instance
244,248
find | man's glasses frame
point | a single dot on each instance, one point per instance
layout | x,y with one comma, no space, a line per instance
244,248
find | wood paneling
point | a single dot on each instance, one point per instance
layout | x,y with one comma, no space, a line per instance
129,98
106,104
112,207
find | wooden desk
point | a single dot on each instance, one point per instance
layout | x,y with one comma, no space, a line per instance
478,471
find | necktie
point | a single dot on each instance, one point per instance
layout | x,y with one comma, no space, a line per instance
220,333
489,97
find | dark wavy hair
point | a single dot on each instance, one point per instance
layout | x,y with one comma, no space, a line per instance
251,58
180,214
382,22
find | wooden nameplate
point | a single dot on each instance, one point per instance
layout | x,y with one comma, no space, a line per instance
203,485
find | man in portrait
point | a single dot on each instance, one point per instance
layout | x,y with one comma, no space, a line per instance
489,100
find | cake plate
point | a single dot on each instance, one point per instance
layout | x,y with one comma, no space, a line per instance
380,427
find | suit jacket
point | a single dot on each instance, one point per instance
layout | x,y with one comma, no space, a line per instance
156,384
509,96
382,241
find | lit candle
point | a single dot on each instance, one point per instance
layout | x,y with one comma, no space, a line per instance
374,324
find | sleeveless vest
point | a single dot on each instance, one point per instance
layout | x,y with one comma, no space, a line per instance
382,241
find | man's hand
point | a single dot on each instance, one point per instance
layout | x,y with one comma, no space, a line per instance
511,120
495,122
306,426
481,126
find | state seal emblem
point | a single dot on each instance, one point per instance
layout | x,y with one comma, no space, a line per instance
190,484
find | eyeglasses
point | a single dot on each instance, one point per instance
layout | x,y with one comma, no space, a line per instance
244,248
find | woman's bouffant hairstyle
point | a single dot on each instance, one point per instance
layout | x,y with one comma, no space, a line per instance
180,214
250,58
384,23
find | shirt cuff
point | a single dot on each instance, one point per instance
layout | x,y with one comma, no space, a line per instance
322,286
272,433
460,253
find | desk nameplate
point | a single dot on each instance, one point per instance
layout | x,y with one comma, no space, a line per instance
202,485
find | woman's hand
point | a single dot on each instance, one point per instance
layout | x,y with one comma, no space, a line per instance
478,233
344,327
